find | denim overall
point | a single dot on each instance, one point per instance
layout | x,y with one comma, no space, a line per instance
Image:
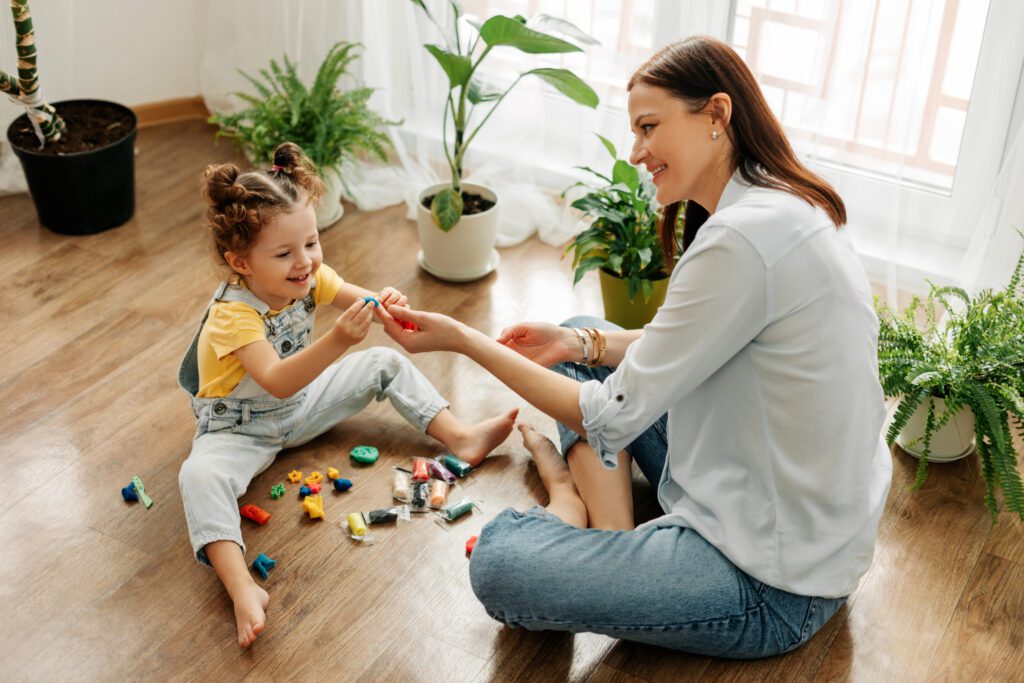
239,436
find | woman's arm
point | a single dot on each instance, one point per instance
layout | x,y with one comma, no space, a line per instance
548,344
282,377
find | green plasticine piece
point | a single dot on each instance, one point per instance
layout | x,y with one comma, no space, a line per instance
277,491
366,455
141,490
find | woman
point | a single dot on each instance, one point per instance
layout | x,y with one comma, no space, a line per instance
751,401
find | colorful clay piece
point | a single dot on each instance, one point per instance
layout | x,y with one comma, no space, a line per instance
419,469
439,471
342,484
255,513
129,495
438,493
400,488
314,488
277,491
420,491
141,491
459,468
383,516
356,524
365,455
368,299
313,506
333,473
314,478
263,564
470,544
456,510
406,325
295,476
304,491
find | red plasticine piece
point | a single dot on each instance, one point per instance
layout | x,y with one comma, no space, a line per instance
255,513
315,488
406,325
470,544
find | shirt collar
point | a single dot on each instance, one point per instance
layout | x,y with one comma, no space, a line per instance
734,189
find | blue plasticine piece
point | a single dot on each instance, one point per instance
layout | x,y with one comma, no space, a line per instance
263,564
373,299
305,491
342,484
129,494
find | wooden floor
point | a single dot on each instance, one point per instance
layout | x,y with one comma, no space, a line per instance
93,588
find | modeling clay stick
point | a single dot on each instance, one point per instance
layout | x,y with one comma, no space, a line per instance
439,471
387,515
419,469
452,512
400,488
255,513
438,493
419,496
356,524
459,467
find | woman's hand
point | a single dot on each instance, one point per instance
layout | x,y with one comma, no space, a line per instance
543,343
390,296
432,332
354,322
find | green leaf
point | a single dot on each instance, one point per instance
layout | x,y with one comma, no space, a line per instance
608,145
546,22
456,66
478,93
625,173
446,208
500,30
568,84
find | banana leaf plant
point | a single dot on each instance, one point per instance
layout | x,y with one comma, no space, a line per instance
461,57
25,88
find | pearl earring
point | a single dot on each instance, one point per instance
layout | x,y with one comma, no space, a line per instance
714,135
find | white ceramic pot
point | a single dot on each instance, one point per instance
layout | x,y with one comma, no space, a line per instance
329,211
464,253
952,442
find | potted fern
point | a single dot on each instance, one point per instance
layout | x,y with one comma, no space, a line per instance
330,125
960,379
622,242
458,222
78,155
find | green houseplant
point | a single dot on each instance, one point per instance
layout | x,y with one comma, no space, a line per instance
77,155
330,125
969,363
622,242
469,252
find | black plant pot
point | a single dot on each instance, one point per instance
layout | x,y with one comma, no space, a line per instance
83,192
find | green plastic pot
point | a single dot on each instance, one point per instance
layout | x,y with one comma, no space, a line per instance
632,314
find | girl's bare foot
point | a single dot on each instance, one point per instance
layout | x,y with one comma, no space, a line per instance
565,501
250,612
473,443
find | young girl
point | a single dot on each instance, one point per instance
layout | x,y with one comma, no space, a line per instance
258,381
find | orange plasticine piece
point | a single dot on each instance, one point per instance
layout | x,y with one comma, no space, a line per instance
255,513
314,478
313,506
295,476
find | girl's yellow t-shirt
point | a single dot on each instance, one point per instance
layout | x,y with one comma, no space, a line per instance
232,325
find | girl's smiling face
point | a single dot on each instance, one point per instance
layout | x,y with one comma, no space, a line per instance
280,266
674,143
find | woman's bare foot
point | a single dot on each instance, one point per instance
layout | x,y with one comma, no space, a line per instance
250,612
565,501
472,443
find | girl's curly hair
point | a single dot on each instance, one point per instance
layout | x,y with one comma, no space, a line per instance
240,204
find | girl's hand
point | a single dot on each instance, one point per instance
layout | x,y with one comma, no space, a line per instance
432,332
354,322
389,296
543,343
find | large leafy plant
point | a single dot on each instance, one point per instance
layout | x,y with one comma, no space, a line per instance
461,57
25,88
330,125
623,237
973,357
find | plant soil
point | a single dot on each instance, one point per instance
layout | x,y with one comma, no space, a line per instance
90,125
471,203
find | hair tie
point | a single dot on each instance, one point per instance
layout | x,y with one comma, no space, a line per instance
275,167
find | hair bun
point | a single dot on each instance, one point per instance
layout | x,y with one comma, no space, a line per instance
219,186
287,156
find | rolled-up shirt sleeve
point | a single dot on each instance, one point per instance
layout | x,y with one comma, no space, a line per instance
716,304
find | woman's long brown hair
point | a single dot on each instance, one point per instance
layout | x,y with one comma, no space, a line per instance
697,68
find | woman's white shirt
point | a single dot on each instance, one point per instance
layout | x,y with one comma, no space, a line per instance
764,356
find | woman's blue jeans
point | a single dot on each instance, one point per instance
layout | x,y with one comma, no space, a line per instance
664,586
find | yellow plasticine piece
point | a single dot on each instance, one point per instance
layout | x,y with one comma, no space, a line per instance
313,506
333,473
314,478
295,476
356,524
